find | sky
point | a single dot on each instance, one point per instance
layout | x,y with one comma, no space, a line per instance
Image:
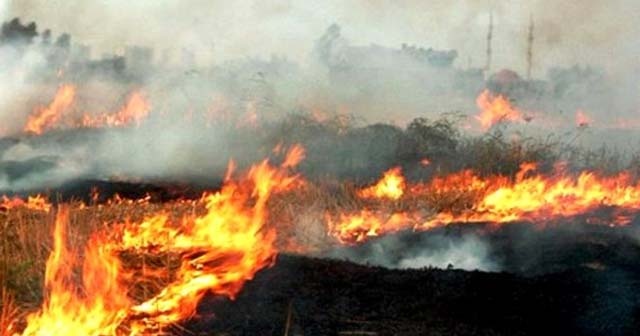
602,33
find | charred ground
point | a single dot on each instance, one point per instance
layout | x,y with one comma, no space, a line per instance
571,279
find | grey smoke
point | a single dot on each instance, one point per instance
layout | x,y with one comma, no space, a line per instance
467,252
219,57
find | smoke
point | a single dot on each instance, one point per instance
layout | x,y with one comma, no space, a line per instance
582,31
468,253
218,62
17,91
438,250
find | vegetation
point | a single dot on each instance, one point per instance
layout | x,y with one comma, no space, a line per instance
340,157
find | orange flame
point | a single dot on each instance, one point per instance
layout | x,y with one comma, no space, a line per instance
66,309
44,118
219,252
295,155
495,109
582,119
38,203
360,226
390,186
497,199
135,110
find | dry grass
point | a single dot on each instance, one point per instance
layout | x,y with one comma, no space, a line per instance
298,216
26,241
9,313
26,238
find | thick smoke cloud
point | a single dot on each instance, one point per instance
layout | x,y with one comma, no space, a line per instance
214,57
566,32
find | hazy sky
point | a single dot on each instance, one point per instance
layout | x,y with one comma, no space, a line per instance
567,32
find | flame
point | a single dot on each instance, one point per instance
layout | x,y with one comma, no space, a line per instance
495,109
219,251
425,162
582,119
495,199
295,155
96,308
391,185
38,203
43,118
538,197
360,226
135,110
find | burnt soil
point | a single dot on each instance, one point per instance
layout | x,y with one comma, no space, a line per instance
333,297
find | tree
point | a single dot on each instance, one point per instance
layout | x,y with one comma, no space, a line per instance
14,32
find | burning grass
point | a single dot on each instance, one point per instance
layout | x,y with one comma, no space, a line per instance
161,246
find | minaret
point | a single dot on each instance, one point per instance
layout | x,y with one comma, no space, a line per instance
530,47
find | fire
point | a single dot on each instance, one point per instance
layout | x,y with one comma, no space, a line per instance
358,227
95,308
44,118
390,186
219,251
495,109
222,249
539,198
494,199
295,156
582,119
38,203
135,110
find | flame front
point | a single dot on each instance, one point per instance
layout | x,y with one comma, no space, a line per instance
44,118
37,202
222,249
56,114
495,109
494,199
219,252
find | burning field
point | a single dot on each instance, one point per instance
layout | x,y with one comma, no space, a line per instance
370,191
257,252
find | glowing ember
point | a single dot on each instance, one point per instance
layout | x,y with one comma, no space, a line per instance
390,186
495,109
45,118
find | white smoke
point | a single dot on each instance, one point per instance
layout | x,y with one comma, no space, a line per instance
437,250
469,253
566,33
